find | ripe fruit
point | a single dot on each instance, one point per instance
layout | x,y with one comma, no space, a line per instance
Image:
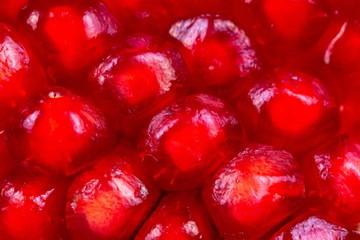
136,80
111,199
215,102
178,216
20,72
32,207
67,52
312,226
217,51
188,140
58,132
286,108
332,179
253,192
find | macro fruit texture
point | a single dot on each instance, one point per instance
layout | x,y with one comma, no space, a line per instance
178,216
179,119
21,75
188,140
69,52
332,178
288,109
32,207
112,199
216,50
58,132
253,192
136,80
313,226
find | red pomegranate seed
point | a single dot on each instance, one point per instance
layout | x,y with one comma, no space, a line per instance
136,80
32,207
216,50
285,73
178,216
188,140
332,179
254,192
58,131
111,199
70,36
286,108
312,226
20,73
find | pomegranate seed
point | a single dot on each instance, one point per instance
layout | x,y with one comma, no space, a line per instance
254,192
32,207
332,179
216,50
287,107
215,102
188,140
111,199
69,52
57,131
20,73
136,80
178,216
311,226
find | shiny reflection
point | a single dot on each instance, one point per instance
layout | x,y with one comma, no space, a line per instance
33,19
328,52
89,190
92,24
13,57
211,120
323,164
307,100
195,31
252,175
158,128
260,95
352,164
103,71
14,196
29,122
99,21
40,200
239,39
161,66
316,228
77,123
191,228
155,233
129,188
